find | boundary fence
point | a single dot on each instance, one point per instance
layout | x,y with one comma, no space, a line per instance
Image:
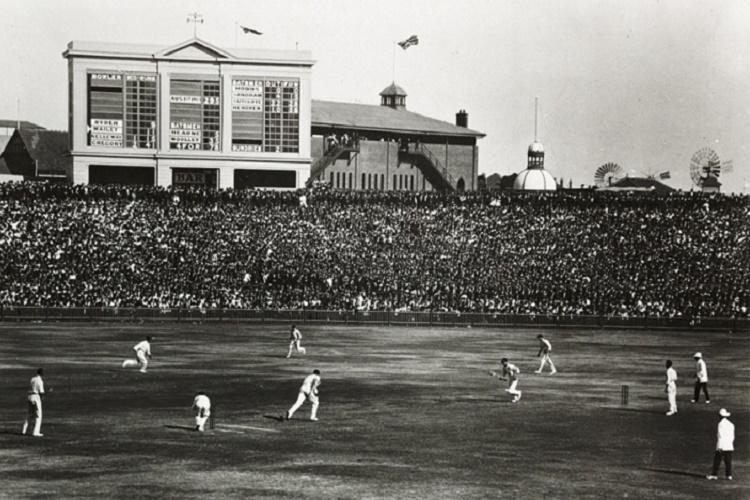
400,318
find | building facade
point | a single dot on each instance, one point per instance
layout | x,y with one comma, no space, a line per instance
190,114
387,147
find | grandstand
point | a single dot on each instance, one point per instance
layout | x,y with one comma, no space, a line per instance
674,255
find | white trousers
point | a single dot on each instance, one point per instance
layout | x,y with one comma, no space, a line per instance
142,361
512,388
201,415
546,359
301,399
295,344
672,397
34,414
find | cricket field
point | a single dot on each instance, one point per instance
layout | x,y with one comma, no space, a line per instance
405,412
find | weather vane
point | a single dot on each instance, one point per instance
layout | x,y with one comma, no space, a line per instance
195,18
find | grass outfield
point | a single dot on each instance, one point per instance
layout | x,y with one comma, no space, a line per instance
405,413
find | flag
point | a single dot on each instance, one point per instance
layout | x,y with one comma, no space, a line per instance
247,30
665,175
412,40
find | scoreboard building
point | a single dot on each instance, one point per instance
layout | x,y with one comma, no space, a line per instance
197,114
190,114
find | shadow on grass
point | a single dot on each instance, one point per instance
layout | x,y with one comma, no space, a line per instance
677,472
181,427
278,418
11,433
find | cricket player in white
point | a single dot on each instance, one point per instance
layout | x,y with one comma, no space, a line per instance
510,373
202,408
295,339
309,391
701,378
142,353
544,349
671,388
724,446
34,399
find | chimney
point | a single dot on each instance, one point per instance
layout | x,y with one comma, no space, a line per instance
462,119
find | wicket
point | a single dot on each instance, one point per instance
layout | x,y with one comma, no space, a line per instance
212,418
624,395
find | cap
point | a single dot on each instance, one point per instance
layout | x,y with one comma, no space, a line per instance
724,413
697,355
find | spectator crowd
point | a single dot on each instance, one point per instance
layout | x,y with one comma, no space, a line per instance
560,253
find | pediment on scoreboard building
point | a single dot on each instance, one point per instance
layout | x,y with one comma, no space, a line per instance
194,48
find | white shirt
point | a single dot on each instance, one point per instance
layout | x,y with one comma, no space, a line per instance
546,346
511,371
201,401
143,346
296,335
701,373
310,384
671,376
725,435
37,385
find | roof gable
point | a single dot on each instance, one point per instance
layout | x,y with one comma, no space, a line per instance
194,48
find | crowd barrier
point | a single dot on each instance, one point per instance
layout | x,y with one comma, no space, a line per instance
415,318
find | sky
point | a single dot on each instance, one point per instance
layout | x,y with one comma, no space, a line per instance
641,83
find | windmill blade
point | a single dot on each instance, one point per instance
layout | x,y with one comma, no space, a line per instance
606,173
727,166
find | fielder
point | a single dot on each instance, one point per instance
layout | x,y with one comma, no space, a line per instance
510,373
544,349
724,446
34,406
202,408
308,390
671,388
142,353
295,339
701,378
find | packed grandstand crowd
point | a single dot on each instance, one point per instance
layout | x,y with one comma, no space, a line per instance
569,252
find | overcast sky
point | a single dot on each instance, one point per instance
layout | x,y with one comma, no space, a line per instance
642,83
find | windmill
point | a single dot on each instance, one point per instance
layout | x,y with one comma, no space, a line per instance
705,168
607,174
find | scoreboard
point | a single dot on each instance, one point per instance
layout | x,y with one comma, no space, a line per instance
121,110
195,115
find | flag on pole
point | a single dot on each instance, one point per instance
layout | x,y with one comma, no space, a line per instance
412,40
665,175
247,30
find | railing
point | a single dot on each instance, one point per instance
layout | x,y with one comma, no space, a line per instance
331,156
414,318
434,163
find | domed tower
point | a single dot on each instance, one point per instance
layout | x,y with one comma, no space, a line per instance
535,177
393,96
536,155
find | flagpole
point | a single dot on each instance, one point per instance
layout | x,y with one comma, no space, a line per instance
394,62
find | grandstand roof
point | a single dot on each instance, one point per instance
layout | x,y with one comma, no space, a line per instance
4,167
23,123
639,184
382,118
